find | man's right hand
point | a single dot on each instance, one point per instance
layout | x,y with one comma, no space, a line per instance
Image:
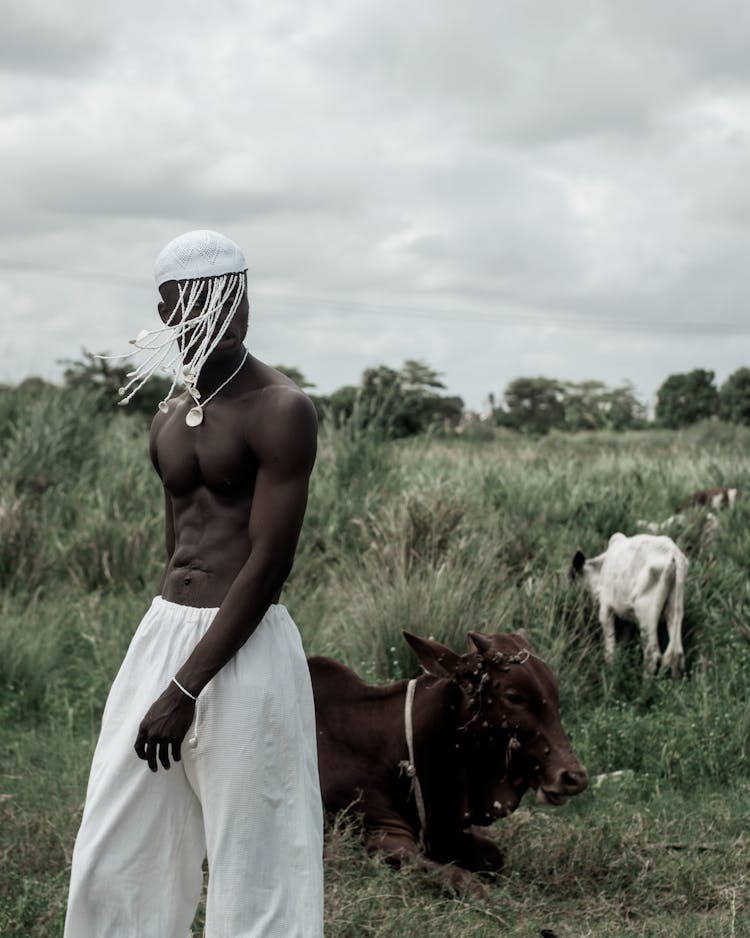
166,723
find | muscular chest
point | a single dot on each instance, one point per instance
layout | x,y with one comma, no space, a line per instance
213,455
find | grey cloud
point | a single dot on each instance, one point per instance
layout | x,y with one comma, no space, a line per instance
711,38
158,194
512,71
52,38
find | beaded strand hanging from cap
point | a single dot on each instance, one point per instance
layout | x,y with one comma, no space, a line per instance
200,262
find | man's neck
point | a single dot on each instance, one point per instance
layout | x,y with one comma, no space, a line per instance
214,373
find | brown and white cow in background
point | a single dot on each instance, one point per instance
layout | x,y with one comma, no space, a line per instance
713,499
640,579
722,497
485,727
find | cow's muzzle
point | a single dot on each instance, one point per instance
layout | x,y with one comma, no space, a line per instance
564,784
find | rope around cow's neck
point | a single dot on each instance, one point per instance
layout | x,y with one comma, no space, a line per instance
409,766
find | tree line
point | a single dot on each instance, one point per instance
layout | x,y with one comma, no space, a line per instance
537,405
397,402
408,400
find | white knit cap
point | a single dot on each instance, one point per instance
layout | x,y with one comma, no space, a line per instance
197,254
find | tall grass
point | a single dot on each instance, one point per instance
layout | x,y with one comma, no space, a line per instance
436,536
76,497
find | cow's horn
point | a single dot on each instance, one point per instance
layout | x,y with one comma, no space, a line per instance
482,643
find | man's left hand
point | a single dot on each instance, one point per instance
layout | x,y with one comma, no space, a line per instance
166,723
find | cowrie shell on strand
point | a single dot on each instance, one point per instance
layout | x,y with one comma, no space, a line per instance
163,407
194,417
195,414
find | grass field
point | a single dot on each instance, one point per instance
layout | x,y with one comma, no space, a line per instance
438,536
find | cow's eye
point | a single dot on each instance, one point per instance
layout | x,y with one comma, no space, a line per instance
512,696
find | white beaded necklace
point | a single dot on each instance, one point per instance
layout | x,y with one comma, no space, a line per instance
194,417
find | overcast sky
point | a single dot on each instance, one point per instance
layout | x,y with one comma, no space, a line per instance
497,188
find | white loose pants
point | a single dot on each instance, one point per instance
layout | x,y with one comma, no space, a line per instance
246,794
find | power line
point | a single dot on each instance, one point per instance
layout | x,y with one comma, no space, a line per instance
498,317
527,317
69,273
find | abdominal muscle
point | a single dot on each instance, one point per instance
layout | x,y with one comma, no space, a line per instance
211,547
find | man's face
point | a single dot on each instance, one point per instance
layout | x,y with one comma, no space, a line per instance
233,337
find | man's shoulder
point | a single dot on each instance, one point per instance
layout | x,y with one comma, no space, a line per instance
287,402
273,377
283,416
277,396
282,424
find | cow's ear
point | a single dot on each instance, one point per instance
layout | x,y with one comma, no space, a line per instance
436,659
483,644
578,561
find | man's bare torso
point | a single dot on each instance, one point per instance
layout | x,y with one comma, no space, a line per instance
208,473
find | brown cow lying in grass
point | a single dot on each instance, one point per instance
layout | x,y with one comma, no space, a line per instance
486,727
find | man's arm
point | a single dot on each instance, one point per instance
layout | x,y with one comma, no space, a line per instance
286,454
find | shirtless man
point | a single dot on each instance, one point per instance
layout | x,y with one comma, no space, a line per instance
216,665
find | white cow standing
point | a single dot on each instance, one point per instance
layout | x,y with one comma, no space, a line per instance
640,579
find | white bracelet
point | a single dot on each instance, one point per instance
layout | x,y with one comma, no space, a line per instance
175,681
